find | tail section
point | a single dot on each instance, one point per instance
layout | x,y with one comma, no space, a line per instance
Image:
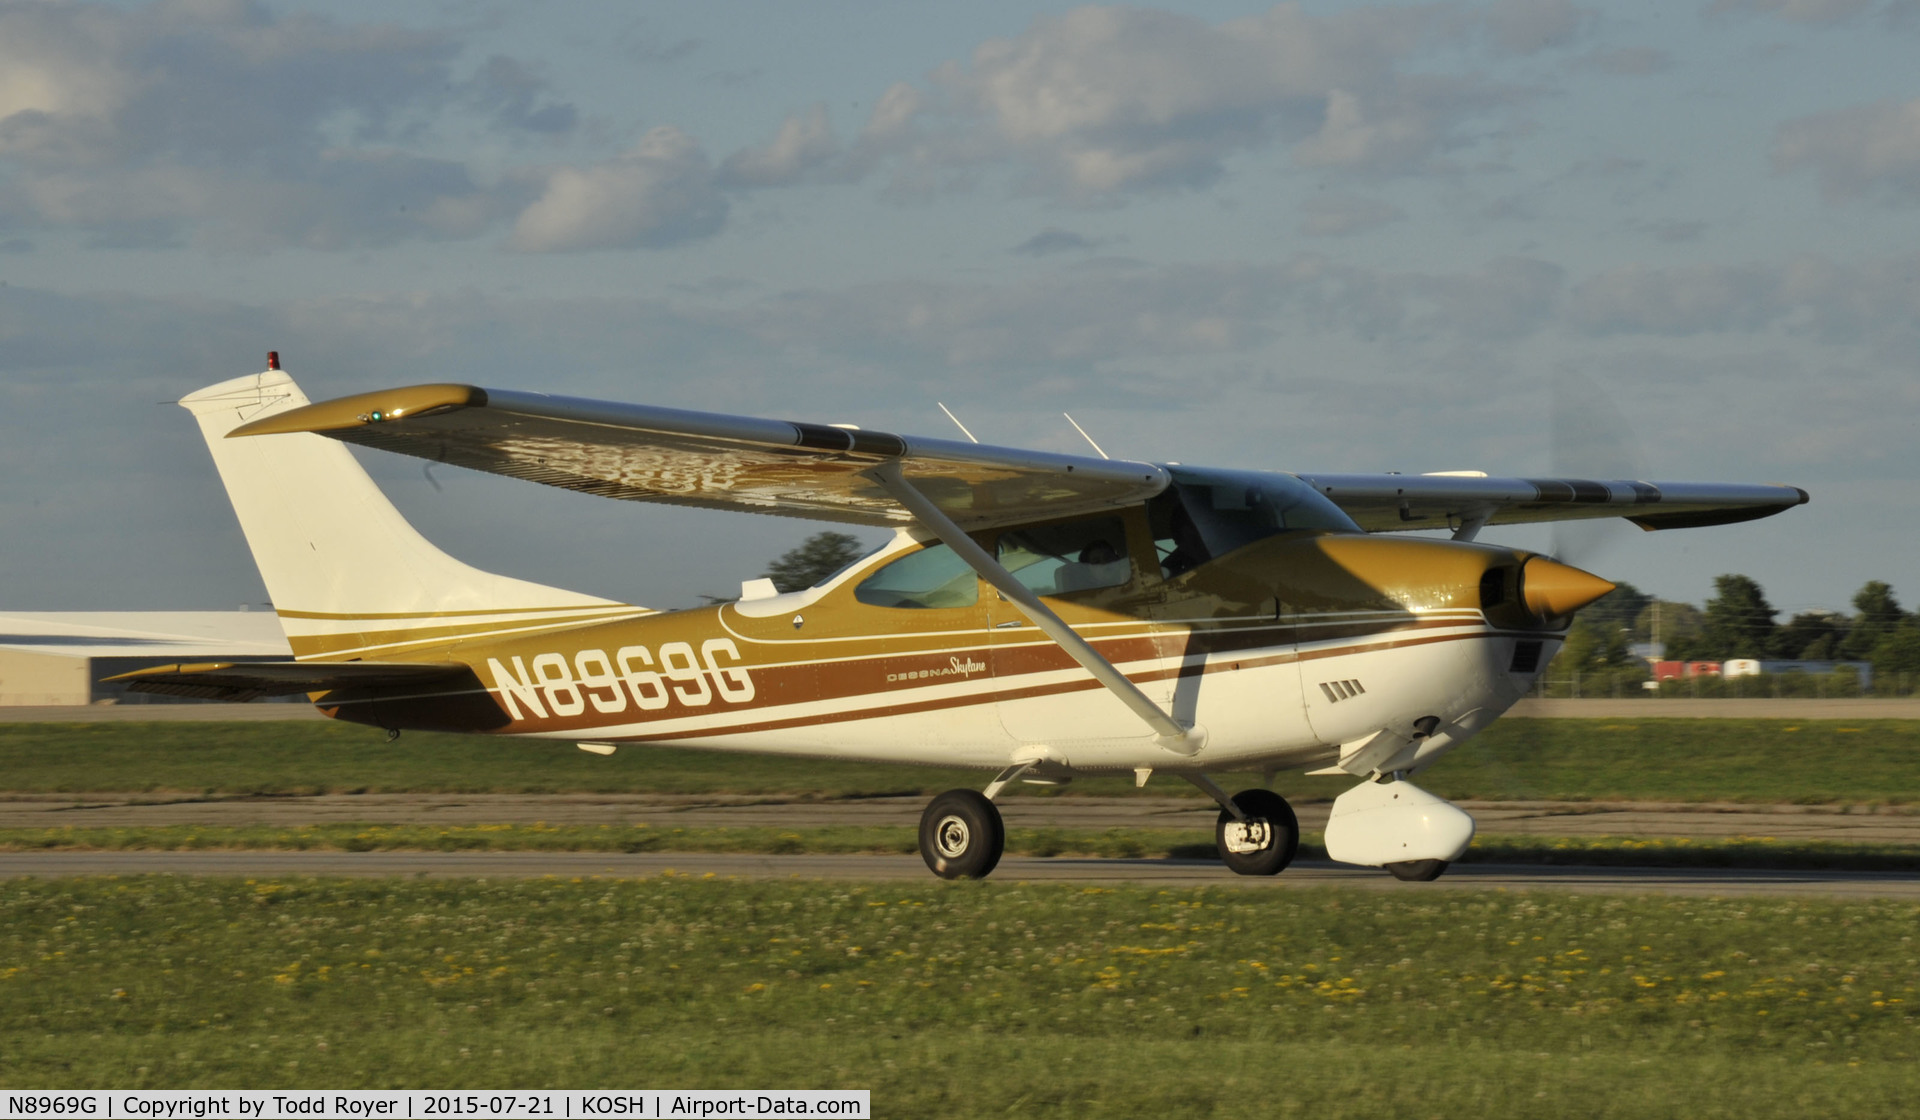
349,577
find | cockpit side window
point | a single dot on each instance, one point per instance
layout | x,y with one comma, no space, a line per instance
932,577
1063,558
1205,514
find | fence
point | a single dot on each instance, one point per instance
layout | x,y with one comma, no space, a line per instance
1628,684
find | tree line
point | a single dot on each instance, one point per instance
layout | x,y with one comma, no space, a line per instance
1739,622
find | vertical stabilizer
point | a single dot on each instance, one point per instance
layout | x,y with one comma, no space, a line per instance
349,577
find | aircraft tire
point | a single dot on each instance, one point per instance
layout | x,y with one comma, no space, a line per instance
962,835
1268,806
1417,870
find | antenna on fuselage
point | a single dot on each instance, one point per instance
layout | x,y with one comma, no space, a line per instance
956,422
1085,436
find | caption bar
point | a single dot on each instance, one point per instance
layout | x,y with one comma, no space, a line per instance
373,1104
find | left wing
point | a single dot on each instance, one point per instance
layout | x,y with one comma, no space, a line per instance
648,454
1466,501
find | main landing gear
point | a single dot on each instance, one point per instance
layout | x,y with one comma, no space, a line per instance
1262,838
961,835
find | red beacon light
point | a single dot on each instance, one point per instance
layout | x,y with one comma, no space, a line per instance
273,359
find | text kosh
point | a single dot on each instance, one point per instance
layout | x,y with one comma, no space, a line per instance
631,675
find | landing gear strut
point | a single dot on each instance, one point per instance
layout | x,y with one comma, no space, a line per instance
961,835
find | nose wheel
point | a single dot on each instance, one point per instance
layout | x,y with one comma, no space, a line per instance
961,835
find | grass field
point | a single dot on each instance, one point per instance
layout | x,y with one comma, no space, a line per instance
1121,843
973,999
1861,762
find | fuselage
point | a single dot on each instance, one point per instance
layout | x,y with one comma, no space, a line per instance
1282,648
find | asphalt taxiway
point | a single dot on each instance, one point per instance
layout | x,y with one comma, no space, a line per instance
898,868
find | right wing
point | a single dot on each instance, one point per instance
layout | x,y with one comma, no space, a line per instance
1382,502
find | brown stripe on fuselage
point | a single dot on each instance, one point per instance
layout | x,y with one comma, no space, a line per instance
859,683
1029,692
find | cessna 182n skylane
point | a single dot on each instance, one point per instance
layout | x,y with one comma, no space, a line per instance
1035,615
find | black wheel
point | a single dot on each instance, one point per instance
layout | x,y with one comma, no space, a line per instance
1268,840
961,835
1417,870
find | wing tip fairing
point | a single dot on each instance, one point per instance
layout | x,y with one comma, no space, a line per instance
362,409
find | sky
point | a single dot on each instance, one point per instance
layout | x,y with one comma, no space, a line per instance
1662,240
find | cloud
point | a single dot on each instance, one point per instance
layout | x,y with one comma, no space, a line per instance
661,193
510,91
804,143
1103,101
1530,26
1639,299
220,122
1628,61
1865,151
1798,11
1342,215
1050,241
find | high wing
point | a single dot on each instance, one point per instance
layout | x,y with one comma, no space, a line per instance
643,453
1464,502
249,680
828,472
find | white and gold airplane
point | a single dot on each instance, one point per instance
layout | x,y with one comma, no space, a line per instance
1037,616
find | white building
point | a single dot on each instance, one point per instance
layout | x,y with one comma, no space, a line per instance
58,657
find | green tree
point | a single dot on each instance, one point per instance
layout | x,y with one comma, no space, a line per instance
818,557
1676,626
1739,620
1896,654
1810,636
1880,615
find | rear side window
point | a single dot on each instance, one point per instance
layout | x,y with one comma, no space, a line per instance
931,577
1062,559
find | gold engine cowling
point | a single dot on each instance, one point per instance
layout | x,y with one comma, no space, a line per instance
1335,572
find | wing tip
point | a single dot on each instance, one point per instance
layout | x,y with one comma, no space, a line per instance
364,409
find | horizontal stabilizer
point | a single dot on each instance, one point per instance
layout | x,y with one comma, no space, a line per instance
248,680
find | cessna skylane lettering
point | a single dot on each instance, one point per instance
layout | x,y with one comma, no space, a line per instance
1035,616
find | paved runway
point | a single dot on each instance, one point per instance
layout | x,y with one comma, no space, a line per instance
1857,824
1013,870
1637,707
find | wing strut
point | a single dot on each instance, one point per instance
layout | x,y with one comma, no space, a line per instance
1174,736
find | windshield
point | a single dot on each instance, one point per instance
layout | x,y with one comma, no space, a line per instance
1209,513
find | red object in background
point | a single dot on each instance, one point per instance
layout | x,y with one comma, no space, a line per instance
1681,670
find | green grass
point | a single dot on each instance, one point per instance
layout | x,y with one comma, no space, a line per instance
1754,760
1118,843
973,999
1824,761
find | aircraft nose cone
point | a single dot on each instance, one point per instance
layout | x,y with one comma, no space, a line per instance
1554,590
